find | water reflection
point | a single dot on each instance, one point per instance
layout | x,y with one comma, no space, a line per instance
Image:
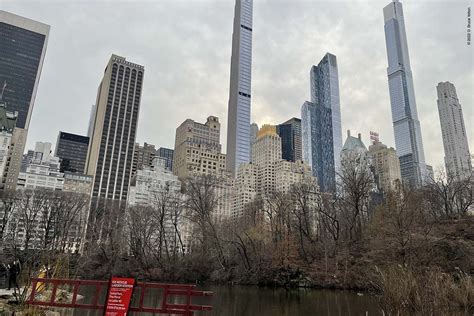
250,300
241,300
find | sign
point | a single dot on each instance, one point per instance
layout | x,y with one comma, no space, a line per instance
119,296
374,137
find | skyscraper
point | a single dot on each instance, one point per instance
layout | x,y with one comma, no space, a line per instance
72,150
238,124
112,142
318,149
408,140
23,46
456,148
324,82
22,49
290,133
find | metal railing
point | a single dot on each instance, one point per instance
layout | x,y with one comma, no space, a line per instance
40,286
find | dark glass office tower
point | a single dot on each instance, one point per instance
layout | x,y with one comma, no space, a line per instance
321,123
113,133
72,150
290,134
168,155
22,49
318,149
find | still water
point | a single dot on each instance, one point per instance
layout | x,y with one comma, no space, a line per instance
257,301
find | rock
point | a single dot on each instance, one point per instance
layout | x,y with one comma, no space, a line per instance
51,313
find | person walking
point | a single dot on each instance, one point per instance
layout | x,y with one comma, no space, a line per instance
14,271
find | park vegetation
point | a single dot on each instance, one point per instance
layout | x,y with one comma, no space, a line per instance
412,248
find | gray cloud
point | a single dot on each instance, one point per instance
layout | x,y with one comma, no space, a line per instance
185,47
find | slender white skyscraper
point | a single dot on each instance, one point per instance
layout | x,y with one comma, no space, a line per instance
238,124
408,140
456,148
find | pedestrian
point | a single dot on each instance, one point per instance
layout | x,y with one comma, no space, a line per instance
14,271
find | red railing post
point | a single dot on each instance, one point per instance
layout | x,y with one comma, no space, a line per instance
142,295
33,290
74,292
164,303
53,292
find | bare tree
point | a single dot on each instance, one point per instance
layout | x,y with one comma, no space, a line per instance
202,201
61,219
305,198
355,182
449,196
8,199
401,220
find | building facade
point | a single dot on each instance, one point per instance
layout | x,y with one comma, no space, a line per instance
167,154
143,156
239,108
23,43
457,158
112,142
72,150
245,188
77,183
324,79
266,152
288,173
386,166
198,150
151,181
23,47
43,171
406,126
318,147
253,137
290,134
268,173
7,126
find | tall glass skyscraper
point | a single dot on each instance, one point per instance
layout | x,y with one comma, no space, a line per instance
321,123
318,148
406,126
238,124
325,92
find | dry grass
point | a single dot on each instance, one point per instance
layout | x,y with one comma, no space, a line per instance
411,291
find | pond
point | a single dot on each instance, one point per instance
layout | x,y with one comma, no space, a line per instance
259,301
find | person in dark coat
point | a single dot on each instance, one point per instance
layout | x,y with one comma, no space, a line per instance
14,271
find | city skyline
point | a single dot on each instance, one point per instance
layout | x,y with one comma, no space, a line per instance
274,100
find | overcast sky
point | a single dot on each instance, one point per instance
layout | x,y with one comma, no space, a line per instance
185,46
